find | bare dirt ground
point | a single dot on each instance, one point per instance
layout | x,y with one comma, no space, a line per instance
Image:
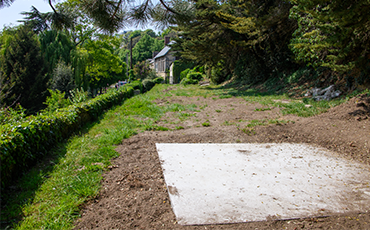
134,194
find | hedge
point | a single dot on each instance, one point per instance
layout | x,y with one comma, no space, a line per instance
21,144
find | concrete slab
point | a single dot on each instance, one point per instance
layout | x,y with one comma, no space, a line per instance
231,183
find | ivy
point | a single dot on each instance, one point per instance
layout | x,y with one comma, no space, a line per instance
25,141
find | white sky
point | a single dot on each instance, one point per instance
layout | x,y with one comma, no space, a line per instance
10,15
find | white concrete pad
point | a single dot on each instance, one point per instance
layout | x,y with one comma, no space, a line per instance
230,183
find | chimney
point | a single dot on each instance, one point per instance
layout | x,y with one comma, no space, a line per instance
166,40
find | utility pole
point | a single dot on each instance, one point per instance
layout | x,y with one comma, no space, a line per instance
131,53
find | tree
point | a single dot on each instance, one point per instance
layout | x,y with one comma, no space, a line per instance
333,34
56,47
144,48
246,38
22,67
113,15
63,79
103,65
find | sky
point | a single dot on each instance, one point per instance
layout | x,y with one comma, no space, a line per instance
10,15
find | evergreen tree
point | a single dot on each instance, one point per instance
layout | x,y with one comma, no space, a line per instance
56,47
332,34
23,68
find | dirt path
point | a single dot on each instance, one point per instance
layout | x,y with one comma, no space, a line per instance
134,194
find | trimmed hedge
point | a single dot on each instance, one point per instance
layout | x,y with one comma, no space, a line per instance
21,144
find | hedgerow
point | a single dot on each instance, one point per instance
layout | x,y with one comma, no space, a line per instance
22,143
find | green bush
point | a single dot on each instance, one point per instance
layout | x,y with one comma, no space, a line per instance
183,74
22,143
55,101
10,115
148,84
137,85
192,78
158,80
195,76
78,95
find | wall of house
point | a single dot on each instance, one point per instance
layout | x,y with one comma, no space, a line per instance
163,63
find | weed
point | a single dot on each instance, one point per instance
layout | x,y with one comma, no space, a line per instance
228,123
262,109
203,106
206,124
218,111
248,131
156,128
225,96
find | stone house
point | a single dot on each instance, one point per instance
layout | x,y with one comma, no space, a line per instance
164,59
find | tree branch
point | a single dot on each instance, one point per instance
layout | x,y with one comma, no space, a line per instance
168,8
52,7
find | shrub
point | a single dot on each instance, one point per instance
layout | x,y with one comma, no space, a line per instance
55,101
131,75
78,96
137,85
158,80
63,78
183,74
22,143
195,76
148,84
192,78
10,115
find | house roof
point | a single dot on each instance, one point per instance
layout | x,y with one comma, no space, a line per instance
164,51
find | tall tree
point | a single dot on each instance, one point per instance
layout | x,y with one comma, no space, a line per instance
334,34
56,47
143,50
22,66
103,65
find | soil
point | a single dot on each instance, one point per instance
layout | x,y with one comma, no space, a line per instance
134,194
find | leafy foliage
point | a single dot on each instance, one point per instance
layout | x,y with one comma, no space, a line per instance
63,79
148,84
192,77
104,66
55,101
12,115
22,143
332,34
22,69
142,70
78,95
145,47
179,66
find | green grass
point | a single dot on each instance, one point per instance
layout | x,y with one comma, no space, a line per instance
206,124
262,109
51,194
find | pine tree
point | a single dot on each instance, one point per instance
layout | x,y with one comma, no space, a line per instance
22,67
333,34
